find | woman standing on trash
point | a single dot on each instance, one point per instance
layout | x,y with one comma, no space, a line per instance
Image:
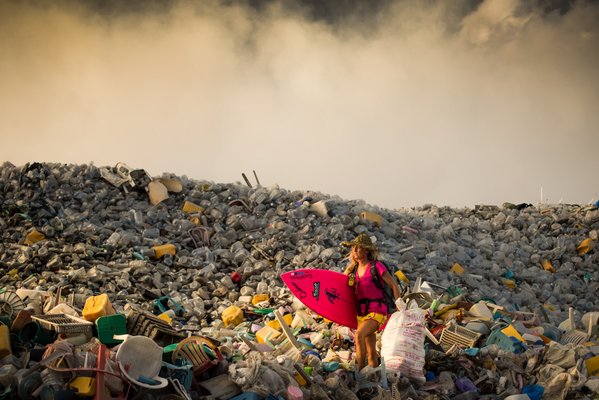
372,310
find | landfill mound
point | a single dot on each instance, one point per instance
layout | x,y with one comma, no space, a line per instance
116,284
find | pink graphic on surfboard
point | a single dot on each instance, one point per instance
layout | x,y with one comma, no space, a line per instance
325,292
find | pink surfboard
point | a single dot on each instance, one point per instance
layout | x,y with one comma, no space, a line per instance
324,292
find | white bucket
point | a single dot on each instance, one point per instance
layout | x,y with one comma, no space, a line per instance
140,356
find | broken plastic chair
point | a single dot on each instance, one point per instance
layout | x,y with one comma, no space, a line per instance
568,324
574,335
112,178
423,286
140,360
422,299
201,352
182,373
124,171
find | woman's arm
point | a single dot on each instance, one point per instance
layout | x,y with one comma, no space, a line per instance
351,266
389,280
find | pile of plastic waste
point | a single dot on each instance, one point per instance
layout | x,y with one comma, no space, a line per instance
118,285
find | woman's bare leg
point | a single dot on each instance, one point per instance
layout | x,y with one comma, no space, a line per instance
365,329
373,358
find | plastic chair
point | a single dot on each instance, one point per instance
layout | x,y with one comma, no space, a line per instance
201,352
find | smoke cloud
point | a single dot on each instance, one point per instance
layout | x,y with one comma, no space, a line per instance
401,104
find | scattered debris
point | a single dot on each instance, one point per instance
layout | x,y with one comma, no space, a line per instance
119,285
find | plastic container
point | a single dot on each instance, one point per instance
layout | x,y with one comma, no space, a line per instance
277,325
232,315
247,396
96,307
505,342
165,303
592,365
84,386
585,246
5,349
63,308
535,392
459,336
167,316
294,393
20,320
457,269
76,339
547,266
267,334
372,217
259,298
167,352
33,332
511,331
162,250
465,385
190,207
552,332
481,310
110,325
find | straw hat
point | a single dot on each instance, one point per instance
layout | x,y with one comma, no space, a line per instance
362,240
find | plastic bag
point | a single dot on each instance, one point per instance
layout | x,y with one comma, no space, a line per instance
403,344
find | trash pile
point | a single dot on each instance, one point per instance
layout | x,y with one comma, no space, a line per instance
119,285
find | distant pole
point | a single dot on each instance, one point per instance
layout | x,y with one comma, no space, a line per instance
541,194
256,176
246,179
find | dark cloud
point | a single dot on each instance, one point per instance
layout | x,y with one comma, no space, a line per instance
400,103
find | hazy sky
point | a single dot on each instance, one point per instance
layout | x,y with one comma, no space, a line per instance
409,102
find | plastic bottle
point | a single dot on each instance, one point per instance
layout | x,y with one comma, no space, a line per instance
5,349
75,339
294,393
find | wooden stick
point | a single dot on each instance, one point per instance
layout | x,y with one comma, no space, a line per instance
287,331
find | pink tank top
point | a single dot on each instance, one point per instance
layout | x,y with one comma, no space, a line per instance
367,289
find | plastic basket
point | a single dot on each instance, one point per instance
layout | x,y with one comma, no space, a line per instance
63,323
457,335
146,324
110,325
505,342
